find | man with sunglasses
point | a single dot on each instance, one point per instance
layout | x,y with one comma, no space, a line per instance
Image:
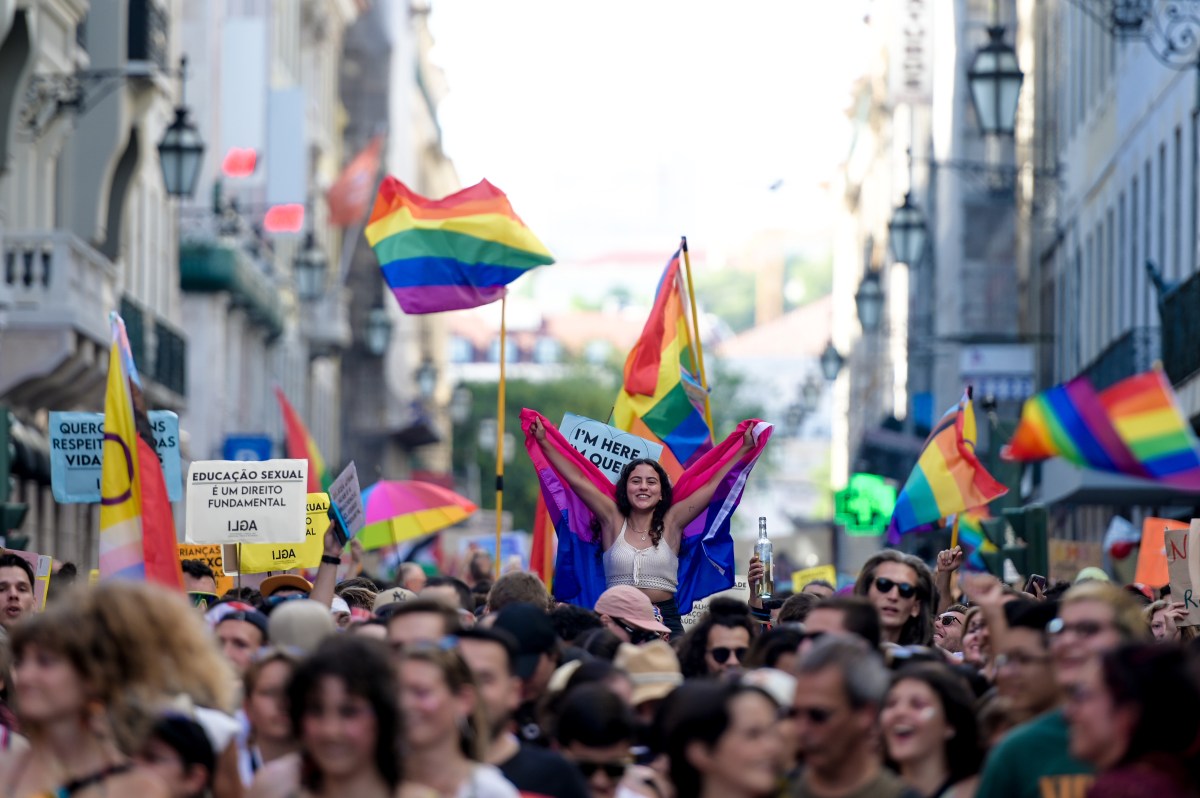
1034,760
629,614
948,629
595,730
840,685
901,588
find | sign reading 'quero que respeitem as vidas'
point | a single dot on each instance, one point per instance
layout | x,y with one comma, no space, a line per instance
607,448
247,502
77,454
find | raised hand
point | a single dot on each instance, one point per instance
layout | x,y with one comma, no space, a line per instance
949,560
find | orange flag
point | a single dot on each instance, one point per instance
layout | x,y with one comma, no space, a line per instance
351,194
1152,554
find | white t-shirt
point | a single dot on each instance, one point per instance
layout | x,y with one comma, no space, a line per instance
487,782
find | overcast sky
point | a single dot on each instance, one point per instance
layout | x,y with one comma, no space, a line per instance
620,125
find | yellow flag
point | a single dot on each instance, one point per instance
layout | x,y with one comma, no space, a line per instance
121,553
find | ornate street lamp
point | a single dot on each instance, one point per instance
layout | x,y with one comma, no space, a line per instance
181,150
310,266
378,332
907,233
1128,16
831,362
869,301
427,375
995,81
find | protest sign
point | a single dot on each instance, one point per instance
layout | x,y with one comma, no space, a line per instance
1152,553
1183,565
210,555
821,572
607,448
345,493
246,502
257,558
739,591
42,566
77,454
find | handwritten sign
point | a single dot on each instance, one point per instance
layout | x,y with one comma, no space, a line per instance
244,502
258,558
821,572
1183,566
739,591
210,555
77,448
607,448
345,493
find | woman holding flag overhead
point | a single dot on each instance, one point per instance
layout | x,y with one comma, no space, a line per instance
670,542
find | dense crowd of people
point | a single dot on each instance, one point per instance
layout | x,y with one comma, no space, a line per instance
912,682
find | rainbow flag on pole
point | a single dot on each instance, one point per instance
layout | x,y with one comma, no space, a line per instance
973,538
137,530
300,445
453,253
1133,427
948,477
661,399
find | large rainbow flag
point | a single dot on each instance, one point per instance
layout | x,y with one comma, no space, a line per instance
706,553
661,399
300,445
1133,427
948,477
137,530
453,253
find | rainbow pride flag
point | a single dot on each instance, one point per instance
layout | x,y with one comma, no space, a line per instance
706,551
661,399
300,445
453,253
948,477
137,530
973,538
1133,427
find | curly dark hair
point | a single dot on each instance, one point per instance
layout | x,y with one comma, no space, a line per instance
664,504
364,667
722,611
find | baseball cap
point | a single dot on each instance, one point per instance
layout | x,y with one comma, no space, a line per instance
1092,573
653,668
630,605
779,685
301,625
393,595
531,628
280,581
237,611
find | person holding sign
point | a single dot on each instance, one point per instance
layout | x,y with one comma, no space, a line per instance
637,532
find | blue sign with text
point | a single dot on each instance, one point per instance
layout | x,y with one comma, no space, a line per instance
77,452
247,447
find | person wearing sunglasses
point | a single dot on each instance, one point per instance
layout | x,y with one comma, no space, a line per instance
719,642
595,731
901,588
628,613
1034,759
948,629
840,686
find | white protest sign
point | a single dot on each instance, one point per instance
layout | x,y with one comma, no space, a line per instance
739,591
243,502
76,454
345,493
607,448
1183,566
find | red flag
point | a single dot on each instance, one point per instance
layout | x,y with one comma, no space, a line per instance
301,446
351,194
160,547
541,554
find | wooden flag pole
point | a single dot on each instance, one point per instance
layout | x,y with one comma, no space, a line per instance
954,532
500,431
687,267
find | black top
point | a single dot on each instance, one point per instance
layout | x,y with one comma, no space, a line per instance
541,773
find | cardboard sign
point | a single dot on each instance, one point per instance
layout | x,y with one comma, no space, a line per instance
77,448
240,502
257,558
345,493
210,556
739,591
607,448
1183,564
802,578
1068,557
42,566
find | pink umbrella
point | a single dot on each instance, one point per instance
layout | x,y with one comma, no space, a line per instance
398,511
